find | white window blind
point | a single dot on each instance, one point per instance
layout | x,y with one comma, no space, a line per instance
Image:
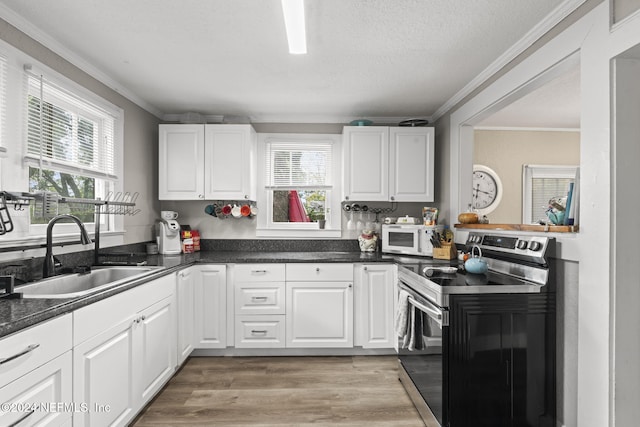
540,184
291,165
67,132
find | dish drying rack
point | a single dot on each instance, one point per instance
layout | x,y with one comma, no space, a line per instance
46,205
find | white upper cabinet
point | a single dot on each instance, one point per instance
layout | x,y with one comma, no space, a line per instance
411,164
366,163
207,162
181,162
230,162
388,163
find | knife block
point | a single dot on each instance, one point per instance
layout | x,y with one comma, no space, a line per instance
447,251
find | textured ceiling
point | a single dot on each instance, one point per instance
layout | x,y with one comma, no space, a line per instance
368,59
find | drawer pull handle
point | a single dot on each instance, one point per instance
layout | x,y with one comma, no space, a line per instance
24,417
259,271
258,298
256,332
27,350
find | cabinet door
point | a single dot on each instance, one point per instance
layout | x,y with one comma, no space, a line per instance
411,164
181,162
319,314
230,162
186,313
375,314
49,384
103,374
211,306
366,163
156,354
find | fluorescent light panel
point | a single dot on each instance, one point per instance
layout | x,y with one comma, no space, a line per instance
293,11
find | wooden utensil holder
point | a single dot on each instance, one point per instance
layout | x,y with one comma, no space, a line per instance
447,251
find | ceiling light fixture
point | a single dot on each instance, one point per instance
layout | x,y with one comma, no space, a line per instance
293,11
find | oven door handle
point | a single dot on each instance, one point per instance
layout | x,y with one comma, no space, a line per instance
434,313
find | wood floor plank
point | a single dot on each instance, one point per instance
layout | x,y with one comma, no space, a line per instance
283,391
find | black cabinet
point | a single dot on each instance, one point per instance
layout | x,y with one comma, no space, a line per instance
501,360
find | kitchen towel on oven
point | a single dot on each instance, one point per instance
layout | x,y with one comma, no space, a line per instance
414,331
402,315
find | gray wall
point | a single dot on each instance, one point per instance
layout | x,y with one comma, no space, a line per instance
140,134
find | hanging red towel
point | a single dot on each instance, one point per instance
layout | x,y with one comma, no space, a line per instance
297,213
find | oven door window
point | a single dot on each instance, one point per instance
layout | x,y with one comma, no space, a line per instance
399,239
425,364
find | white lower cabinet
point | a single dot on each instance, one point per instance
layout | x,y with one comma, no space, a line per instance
36,369
117,369
319,309
104,375
48,385
319,314
210,306
375,305
185,286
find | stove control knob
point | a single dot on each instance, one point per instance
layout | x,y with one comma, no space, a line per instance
535,246
522,244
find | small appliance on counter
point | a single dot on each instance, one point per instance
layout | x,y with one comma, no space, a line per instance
168,234
409,239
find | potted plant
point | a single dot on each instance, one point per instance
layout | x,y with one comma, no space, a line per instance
318,216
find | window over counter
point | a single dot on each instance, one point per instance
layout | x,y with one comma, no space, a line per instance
59,137
300,174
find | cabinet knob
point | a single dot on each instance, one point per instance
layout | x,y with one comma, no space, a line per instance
392,198
318,269
246,196
350,285
201,196
346,198
365,268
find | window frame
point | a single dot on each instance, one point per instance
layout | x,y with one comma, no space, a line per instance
265,225
530,172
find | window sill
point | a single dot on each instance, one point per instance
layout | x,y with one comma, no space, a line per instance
12,245
300,233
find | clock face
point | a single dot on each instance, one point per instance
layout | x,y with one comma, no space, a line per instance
487,189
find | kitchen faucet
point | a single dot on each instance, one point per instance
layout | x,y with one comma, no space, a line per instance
49,266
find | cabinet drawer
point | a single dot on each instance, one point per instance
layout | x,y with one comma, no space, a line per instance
33,347
305,272
259,273
259,298
48,386
260,331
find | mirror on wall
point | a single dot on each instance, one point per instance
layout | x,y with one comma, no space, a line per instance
540,129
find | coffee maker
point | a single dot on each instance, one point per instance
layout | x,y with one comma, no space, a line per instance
168,233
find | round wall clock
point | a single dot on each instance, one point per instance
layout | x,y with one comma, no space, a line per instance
487,189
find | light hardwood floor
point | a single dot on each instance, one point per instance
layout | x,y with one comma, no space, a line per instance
283,391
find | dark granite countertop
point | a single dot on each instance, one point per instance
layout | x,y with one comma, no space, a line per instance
17,314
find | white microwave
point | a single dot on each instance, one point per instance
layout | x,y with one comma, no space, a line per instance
408,239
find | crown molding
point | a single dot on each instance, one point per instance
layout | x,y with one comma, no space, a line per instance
525,129
50,43
543,27
301,118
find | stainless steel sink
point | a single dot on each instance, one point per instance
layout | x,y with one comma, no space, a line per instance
76,285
